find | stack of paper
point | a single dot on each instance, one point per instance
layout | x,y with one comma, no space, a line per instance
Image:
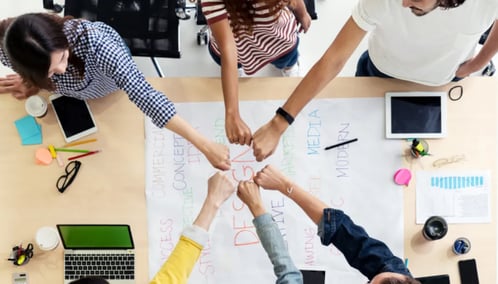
29,130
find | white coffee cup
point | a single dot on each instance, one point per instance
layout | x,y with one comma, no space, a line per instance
47,238
36,106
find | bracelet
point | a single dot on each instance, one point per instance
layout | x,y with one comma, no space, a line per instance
289,190
285,115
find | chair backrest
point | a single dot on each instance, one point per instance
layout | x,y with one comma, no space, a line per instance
148,27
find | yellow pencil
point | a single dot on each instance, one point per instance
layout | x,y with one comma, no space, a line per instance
79,142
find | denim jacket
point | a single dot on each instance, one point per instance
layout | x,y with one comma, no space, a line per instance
274,245
368,255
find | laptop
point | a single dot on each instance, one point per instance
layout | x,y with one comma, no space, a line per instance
105,251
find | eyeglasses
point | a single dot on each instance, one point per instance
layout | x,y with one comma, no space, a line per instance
65,180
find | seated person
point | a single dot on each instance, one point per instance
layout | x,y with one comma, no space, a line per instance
269,235
87,60
187,251
370,256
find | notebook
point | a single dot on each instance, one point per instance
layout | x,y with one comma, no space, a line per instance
105,251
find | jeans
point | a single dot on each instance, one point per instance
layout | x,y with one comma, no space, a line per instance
366,68
368,255
284,61
274,245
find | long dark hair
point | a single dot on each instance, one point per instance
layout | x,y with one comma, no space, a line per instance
29,41
242,12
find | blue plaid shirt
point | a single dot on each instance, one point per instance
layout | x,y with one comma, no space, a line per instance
108,67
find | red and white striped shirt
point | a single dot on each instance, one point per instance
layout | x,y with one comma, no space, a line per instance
268,41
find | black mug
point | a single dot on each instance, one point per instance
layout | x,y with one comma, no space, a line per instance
435,228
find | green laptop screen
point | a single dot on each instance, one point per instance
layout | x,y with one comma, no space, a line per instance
96,236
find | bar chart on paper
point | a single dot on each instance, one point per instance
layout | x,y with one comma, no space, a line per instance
457,182
459,197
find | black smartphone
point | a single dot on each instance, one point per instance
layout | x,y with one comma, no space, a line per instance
434,279
468,271
313,276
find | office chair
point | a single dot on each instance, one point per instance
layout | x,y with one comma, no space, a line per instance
148,27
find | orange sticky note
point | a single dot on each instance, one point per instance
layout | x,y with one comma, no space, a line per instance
43,156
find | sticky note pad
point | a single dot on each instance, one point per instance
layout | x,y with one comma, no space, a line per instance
29,130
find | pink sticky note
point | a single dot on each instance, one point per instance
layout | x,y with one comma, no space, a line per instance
402,176
43,156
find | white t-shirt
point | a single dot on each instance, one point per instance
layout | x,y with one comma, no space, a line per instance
424,49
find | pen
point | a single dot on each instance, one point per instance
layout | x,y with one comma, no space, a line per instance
71,150
341,143
80,142
82,155
406,262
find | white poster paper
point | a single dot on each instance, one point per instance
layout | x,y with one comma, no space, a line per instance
356,178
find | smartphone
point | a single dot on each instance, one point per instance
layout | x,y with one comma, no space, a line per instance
19,278
468,271
74,117
313,276
434,279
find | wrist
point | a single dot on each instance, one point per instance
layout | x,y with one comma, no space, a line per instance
285,115
257,210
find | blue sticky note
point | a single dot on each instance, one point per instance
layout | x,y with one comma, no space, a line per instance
29,130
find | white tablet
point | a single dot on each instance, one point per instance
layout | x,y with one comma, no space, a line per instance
416,114
74,117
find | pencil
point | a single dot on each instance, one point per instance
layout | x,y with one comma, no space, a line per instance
82,155
80,142
341,143
71,150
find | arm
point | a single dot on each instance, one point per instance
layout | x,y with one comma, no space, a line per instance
115,62
269,235
187,251
299,9
266,138
488,50
370,256
366,254
236,129
217,154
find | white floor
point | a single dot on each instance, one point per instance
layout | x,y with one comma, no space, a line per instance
195,60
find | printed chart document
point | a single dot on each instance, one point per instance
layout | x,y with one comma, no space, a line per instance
458,197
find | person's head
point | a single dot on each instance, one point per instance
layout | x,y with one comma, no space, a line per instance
422,7
90,280
241,13
37,47
393,278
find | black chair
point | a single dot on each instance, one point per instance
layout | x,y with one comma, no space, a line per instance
148,27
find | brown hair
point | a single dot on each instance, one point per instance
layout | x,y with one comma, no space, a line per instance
241,12
406,280
29,41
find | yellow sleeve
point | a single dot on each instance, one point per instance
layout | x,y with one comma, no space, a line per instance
180,263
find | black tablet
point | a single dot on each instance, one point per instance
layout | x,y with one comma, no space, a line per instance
74,117
416,114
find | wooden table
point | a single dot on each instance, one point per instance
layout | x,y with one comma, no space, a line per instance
110,185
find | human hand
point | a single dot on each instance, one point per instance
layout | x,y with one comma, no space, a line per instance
305,21
218,155
271,178
265,139
237,131
220,187
249,193
13,83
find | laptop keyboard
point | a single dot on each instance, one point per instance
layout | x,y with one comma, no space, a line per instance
106,265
